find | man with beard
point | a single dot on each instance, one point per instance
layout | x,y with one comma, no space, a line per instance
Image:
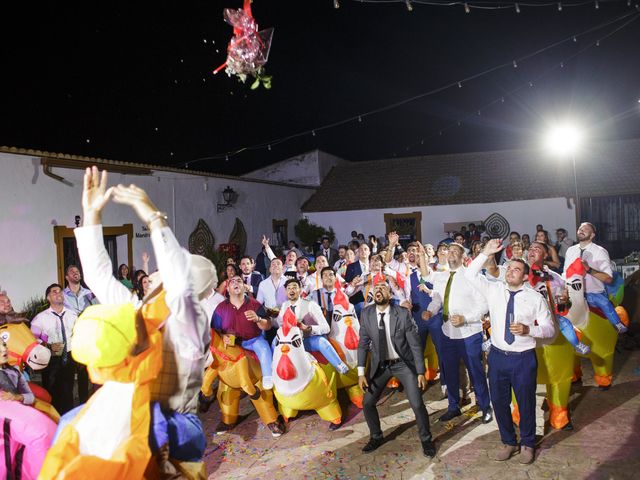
553,289
389,332
598,266
518,317
462,312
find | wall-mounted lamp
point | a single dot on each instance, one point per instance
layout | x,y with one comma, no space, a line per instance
230,196
77,220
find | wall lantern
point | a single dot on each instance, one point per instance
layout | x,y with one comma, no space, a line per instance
229,196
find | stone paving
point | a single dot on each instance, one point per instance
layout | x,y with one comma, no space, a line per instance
604,444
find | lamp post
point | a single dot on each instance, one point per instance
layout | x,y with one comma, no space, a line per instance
564,140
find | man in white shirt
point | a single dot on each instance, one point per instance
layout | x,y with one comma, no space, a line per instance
598,267
519,315
312,324
186,280
462,311
55,327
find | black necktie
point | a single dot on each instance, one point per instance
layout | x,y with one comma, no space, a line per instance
382,334
246,279
65,353
508,336
293,309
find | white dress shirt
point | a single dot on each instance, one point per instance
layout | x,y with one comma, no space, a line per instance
529,308
48,323
307,312
597,257
271,293
463,300
186,331
391,351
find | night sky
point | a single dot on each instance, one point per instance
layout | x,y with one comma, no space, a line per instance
133,81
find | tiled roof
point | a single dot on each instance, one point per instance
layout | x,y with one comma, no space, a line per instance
608,168
78,160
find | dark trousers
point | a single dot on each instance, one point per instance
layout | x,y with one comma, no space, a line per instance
469,350
432,327
409,381
84,386
58,378
517,372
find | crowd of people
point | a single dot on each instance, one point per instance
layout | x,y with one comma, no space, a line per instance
483,302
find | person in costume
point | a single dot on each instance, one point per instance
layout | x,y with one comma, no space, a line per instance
313,324
186,279
599,273
554,289
245,318
24,429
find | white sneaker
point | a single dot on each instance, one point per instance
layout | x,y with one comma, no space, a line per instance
620,327
267,383
582,349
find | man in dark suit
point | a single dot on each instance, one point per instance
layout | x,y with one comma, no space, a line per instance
389,332
327,251
250,278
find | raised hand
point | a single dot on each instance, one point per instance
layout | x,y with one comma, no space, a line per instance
95,195
137,199
394,238
492,247
265,241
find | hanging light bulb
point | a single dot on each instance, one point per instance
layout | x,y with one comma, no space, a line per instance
466,8
517,8
459,84
313,132
561,64
359,119
575,39
409,6
502,100
515,64
559,6
269,147
336,4
597,43
597,5
226,158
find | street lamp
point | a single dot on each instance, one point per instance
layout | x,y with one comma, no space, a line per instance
564,140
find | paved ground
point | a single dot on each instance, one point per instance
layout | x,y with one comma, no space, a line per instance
604,444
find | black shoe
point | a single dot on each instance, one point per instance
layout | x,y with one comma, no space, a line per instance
568,427
450,415
334,426
373,444
429,449
222,428
487,415
205,402
604,388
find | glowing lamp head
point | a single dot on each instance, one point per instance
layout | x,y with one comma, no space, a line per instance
564,139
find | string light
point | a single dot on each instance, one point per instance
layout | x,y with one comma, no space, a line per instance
515,64
597,5
517,8
466,8
409,6
598,43
313,133
559,6
336,4
628,17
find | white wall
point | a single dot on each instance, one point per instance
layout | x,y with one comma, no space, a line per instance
31,203
523,216
306,169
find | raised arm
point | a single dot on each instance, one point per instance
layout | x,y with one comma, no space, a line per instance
472,272
267,248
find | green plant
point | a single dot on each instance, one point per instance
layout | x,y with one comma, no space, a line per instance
308,232
34,306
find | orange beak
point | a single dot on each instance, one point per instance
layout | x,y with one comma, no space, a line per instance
348,322
284,349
